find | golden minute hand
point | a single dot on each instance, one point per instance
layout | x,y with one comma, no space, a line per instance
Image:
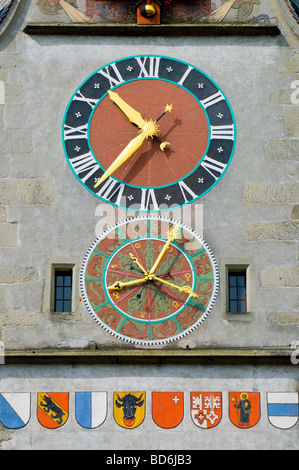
186,289
131,113
131,148
172,234
118,285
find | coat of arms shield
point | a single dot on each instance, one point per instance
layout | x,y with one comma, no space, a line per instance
91,408
283,409
168,409
129,409
206,408
244,409
15,409
52,409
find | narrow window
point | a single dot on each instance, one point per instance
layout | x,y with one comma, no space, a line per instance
237,291
63,290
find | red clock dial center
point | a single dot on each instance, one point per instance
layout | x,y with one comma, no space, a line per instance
186,129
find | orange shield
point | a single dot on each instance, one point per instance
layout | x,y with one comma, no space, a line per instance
52,409
244,408
168,408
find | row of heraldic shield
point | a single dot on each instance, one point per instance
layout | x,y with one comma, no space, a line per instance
206,408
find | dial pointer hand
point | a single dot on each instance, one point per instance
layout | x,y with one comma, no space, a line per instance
172,235
135,117
134,258
186,289
131,113
118,285
131,148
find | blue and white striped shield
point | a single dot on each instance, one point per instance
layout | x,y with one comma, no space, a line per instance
283,409
14,409
91,408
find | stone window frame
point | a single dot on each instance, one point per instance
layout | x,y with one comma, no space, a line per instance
238,274
63,288
238,264
49,289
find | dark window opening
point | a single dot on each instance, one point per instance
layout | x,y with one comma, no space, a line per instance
237,291
63,290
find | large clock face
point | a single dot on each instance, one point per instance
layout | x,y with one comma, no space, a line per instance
166,123
149,280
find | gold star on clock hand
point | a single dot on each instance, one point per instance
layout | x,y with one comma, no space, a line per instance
168,108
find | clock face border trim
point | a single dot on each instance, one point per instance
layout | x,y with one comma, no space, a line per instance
203,312
212,168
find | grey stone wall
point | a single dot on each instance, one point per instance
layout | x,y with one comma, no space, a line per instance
42,204
251,217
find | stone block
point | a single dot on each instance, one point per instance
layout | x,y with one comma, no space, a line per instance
283,318
15,141
15,317
13,93
17,274
3,294
11,317
8,234
11,61
3,75
295,212
281,97
271,193
27,191
287,230
2,92
4,167
283,150
1,116
2,214
280,277
291,116
292,66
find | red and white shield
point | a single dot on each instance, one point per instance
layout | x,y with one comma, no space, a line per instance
206,408
168,408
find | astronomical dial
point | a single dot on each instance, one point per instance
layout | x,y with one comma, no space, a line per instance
149,280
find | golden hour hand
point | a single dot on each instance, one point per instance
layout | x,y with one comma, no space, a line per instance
131,148
172,235
148,130
186,289
118,285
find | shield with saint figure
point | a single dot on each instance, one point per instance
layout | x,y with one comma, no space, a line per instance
244,409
